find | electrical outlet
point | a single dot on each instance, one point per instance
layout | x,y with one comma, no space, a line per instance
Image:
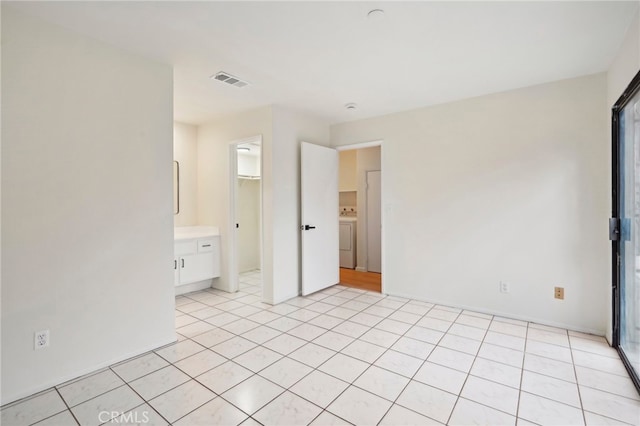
41,339
504,287
558,293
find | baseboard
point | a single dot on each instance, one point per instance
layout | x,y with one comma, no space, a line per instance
188,288
285,298
503,314
84,372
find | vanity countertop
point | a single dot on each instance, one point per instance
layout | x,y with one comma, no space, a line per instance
189,232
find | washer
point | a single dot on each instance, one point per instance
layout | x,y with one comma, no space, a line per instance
348,227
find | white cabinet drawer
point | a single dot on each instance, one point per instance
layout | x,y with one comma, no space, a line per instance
185,247
207,245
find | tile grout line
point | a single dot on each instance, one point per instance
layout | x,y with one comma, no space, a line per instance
172,364
370,327
66,405
205,348
575,373
334,355
265,378
88,399
464,383
257,373
58,413
145,401
522,370
344,320
261,308
316,368
394,402
352,383
220,395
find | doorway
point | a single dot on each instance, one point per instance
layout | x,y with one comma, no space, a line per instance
360,216
246,216
624,228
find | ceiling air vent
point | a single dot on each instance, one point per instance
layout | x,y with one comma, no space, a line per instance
229,79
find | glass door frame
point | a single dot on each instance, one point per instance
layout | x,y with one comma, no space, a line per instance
615,226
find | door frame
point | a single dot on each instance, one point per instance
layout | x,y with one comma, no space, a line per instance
616,182
383,205
233,200
366,197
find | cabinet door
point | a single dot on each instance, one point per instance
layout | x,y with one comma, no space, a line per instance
196,267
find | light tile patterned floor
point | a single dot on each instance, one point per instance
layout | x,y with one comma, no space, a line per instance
345,356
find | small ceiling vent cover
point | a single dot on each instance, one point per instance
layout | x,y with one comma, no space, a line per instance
229,79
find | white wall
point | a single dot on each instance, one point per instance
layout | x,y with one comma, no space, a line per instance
289,129
622,70
87,243
347,176
507,187
368,159
281,130
185,151
214,139
348,199
248,214
625,65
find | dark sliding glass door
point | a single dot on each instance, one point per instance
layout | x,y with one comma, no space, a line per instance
625,227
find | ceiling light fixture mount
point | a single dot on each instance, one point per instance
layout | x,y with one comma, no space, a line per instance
243,148
375,14
351,106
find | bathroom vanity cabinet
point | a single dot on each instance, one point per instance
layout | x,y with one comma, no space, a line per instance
196,258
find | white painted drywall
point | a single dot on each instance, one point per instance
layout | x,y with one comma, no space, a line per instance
289,129
281,130
87,243
625,64
347,176
507,187
367,159
214,141
348,199
248,216
622,70
185,151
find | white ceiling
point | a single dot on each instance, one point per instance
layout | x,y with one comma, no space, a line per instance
318,56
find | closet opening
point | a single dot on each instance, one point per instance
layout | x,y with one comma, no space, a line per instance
246,216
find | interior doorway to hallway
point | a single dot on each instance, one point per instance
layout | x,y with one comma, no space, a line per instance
371,281
360,216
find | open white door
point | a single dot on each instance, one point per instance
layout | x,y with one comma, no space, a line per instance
319,211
